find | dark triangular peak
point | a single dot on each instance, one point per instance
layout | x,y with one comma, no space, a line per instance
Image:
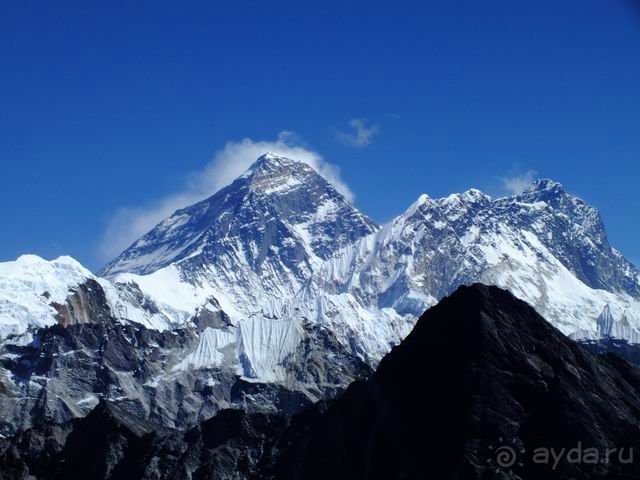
481,370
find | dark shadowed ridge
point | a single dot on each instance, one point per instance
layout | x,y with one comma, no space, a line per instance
480,366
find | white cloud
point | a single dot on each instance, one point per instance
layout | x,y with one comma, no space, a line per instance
130,223
517,184
360,137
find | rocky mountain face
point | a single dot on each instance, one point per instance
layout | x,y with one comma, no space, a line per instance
67,369
36,293
481,389
253,242
86,303
546,246
110,443
480,371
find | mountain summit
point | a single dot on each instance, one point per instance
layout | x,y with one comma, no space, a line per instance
254,242
279,213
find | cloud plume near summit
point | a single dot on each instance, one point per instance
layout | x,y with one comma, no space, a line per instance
518,183
128,224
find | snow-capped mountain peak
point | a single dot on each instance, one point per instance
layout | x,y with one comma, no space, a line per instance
254,242
545,245
34,293
272,162
556,196
272,174
276,197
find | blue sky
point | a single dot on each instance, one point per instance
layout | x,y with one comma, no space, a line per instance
113,105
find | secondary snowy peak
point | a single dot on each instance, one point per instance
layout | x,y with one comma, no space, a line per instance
576,234
565,225
36,293
545,246
29,285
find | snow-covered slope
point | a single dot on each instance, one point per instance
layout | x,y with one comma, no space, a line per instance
33,291
546,246
29,285
261,238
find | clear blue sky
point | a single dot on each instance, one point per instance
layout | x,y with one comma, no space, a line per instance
111,104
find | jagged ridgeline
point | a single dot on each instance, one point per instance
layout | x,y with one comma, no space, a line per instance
276,292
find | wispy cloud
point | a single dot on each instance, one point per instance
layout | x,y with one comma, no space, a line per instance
518,183
128,224
360,137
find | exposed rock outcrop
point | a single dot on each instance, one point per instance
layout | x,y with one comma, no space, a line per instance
64,372
86,303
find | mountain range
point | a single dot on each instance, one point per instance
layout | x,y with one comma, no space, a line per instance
276,293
